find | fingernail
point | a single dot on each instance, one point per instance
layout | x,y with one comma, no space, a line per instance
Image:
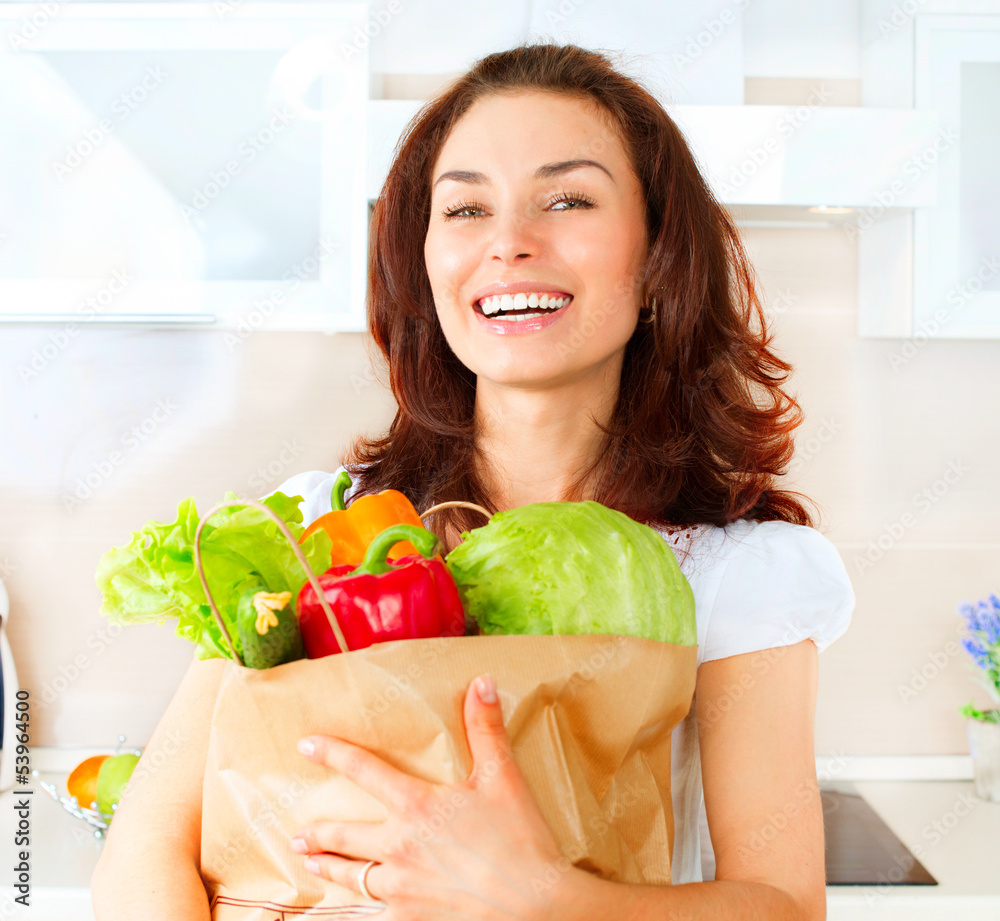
307,747
487,689
299,845
312,865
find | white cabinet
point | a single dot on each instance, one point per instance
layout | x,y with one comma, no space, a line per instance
933,270
183,164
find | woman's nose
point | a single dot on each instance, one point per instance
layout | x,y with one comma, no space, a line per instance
515,238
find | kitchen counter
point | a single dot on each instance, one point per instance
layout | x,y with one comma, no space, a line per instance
952,833
64,851
955,836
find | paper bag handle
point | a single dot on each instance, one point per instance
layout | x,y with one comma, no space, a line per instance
310,575
455,504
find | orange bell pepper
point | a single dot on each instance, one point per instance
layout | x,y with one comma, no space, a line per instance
353,529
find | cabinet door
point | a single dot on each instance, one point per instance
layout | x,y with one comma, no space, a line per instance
195,164
956,283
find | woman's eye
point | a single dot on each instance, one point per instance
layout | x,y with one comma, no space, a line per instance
568,198
573,201
463,210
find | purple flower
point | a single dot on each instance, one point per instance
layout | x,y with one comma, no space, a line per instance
977,652
982,640
983,619
990,620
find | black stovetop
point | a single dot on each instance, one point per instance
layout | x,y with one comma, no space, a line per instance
861,849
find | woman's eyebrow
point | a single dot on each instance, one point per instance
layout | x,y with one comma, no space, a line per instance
546,171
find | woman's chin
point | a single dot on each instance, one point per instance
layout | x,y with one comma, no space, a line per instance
535,378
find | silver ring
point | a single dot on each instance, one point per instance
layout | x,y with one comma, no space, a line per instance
362,874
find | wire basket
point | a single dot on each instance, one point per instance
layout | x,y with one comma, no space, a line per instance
98,821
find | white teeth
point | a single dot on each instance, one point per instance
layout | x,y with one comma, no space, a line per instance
521,301
512,318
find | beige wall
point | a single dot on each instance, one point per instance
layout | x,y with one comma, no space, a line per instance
873,439
901,451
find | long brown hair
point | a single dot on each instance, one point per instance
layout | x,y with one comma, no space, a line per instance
702,425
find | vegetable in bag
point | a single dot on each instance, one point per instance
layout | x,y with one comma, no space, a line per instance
153,578
573,567
412,597
353,529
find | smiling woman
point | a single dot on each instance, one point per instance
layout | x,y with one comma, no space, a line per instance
566,313
545,175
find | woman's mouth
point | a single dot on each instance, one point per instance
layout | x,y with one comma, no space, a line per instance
513,308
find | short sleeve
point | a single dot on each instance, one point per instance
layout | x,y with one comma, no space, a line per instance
315,487
777,584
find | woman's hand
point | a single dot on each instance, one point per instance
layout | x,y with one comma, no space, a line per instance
479,849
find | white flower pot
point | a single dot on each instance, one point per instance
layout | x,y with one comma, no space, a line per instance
984,746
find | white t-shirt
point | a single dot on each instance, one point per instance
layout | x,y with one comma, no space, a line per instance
756,585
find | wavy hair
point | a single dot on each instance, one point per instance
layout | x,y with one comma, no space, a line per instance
702,426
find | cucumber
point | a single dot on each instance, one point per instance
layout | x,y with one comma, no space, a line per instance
280,642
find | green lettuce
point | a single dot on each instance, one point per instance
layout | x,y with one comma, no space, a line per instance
153,578
573,567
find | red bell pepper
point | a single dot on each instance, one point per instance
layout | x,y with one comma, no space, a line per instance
412,597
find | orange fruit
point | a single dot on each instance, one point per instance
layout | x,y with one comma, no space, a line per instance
82,782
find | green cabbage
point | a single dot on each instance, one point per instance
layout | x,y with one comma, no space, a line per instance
153,578
573,567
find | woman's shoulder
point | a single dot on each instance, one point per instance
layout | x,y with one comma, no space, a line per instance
759,584
704,547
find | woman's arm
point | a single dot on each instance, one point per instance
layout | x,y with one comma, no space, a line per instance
755,730
149,868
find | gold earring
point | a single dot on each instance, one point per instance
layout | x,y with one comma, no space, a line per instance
651,315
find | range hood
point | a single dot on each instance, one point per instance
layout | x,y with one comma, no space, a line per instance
806,155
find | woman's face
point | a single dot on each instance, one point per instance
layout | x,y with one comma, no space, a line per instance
535,205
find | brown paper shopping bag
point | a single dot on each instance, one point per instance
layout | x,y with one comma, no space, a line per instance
589,719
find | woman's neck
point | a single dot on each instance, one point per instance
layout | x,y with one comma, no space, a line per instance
536,443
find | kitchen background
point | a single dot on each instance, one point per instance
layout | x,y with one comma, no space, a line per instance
109,426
